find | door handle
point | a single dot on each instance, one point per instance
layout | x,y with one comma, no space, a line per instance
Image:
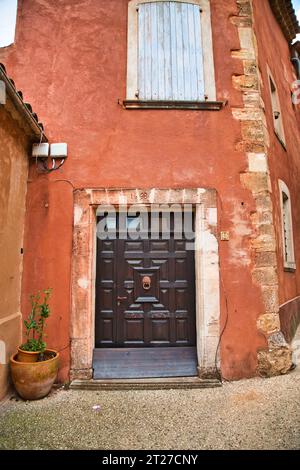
146,283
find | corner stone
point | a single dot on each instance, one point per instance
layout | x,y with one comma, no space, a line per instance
274,362
268,323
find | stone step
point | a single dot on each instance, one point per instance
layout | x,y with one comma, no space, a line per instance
145,384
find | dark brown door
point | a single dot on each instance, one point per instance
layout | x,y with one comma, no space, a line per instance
145,293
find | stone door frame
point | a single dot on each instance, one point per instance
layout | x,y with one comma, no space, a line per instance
207,282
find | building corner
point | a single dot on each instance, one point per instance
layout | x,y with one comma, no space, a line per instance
276,357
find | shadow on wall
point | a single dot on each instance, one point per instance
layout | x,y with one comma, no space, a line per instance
290,326
290,318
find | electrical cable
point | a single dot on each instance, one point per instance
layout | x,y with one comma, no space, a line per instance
218,371
54,167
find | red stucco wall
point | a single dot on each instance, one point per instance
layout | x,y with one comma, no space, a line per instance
284,164
70,58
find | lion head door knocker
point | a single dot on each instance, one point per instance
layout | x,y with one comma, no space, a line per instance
146,283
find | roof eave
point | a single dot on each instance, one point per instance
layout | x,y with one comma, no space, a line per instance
286,17
35,127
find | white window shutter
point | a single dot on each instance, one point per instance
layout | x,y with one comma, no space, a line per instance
170,56
287,229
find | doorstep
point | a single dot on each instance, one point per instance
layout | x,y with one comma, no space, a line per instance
144,363
145,384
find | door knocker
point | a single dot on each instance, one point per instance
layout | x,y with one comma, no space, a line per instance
146,283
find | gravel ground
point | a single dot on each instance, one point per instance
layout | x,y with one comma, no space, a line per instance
250,414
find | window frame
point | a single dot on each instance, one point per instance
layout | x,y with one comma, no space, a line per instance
278,125
288,254
207,46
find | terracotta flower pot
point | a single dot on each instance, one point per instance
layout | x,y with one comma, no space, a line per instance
33,380
27,356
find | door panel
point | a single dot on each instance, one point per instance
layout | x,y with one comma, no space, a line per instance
144,293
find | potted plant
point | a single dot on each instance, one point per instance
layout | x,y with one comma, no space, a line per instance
34,367
35,346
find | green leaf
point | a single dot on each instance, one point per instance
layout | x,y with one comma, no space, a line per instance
35,323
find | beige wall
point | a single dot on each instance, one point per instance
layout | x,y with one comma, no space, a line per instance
13,185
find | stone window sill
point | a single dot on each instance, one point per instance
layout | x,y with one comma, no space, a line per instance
185,105
289,269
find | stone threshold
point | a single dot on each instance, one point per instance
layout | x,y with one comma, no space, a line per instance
145,384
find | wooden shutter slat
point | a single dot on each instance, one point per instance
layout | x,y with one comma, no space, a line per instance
186,52
148,52
199,54
167,52
174,90
142,53
179,52
192,53
154,51
162,49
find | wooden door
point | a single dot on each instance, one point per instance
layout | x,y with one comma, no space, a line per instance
145,293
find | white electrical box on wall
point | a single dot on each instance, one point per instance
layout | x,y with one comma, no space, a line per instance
58,150
40,150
